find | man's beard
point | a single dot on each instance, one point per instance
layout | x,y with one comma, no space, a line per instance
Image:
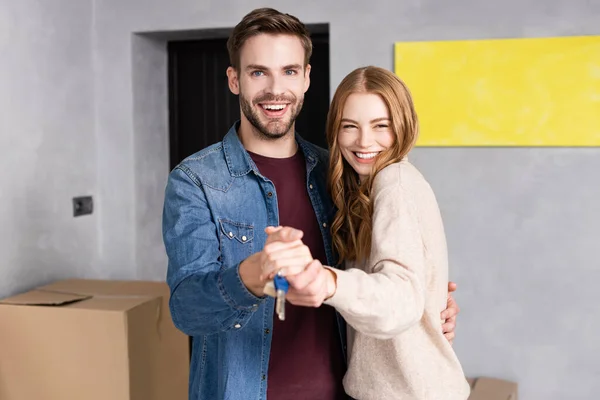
273,129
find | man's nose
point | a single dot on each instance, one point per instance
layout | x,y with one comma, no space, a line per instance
276,85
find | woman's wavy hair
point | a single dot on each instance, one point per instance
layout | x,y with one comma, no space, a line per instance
352,224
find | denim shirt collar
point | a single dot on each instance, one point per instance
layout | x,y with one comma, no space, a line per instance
239,162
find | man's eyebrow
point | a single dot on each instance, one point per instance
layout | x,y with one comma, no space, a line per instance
255,66
292,66
262,67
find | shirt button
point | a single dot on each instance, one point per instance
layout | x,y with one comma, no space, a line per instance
270,194
324,225
264,377
237,326
310,186
267,331
230,234
244,238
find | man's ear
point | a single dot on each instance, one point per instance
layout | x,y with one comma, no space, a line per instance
232,79
306,77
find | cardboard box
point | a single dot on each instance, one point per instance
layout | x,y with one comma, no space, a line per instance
484,388
92,340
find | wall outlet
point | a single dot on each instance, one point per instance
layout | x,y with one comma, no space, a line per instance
82,205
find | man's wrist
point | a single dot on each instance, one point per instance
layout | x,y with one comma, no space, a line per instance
250,278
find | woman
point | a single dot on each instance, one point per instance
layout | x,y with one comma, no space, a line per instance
389,232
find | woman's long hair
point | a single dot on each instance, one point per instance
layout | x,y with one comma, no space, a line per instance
352,224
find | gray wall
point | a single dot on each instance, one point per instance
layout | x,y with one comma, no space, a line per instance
47,142
521,231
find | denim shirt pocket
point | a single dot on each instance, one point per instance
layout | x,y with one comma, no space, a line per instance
236,241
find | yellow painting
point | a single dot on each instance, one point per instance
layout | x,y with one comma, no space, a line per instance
504,92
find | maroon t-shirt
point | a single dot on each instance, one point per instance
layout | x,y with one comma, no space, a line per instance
306,360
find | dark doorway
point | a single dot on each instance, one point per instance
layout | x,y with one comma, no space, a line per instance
202,109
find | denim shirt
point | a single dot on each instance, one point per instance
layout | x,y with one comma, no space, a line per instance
216,208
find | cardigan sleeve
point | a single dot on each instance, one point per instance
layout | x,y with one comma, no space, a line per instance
387,297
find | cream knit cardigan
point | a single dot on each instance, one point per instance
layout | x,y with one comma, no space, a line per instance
392,301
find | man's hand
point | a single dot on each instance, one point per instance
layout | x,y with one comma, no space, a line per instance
252,271
449,314
310,282
284,252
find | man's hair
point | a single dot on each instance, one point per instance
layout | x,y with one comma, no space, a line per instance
269,21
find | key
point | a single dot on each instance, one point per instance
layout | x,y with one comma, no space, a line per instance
281,287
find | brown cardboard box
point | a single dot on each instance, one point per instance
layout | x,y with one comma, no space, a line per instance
492,389
92,340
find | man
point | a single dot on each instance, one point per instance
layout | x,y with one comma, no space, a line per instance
218,203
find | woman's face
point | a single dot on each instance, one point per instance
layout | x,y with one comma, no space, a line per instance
365,131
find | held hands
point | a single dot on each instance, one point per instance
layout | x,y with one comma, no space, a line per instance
283,251
310,282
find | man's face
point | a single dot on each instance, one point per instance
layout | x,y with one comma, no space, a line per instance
271,83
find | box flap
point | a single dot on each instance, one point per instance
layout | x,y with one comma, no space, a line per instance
109,287
493,389
117,302
69,296
41,297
